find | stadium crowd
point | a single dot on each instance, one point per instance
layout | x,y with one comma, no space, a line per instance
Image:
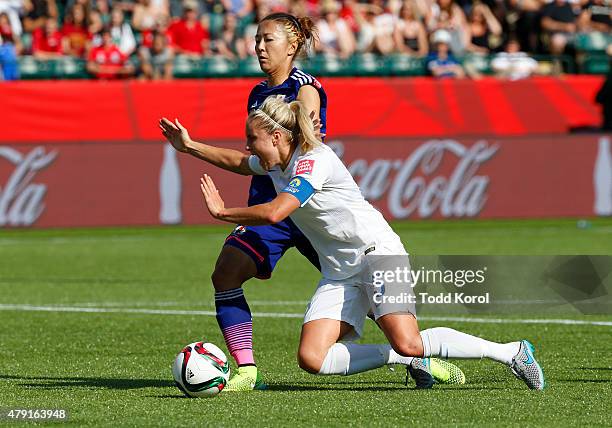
111,34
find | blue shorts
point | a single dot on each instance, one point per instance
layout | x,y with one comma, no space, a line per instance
267,244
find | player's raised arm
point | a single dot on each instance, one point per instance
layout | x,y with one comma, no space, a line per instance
269,213
231,160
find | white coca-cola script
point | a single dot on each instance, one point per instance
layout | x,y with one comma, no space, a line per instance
21,200
414,184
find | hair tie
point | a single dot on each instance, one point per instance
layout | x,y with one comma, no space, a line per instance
275,122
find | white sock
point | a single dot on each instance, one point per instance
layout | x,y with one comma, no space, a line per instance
448,343
350,358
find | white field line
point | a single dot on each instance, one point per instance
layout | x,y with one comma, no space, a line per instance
34,308
98,239
211,304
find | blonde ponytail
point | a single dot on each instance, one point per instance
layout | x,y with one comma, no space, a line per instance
293,119
306,137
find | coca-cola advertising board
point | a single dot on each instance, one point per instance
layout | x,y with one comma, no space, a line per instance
64,185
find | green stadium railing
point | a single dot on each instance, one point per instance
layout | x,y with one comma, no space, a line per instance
596,64
356,65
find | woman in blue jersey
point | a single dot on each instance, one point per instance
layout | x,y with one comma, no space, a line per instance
253,251
350,237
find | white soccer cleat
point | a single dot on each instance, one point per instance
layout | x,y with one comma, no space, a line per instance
525,367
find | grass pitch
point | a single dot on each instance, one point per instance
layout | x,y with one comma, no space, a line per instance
89,323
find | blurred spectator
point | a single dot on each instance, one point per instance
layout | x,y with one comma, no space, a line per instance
604,96
156,60
512,63
148,14
95,27
301,7
104,9
384,23
213,13
107,61
122,33
447,15
410,35
229,44
13,8
441,62
243,10
47,41
559,23
485,30
335,37
596,16
261,11
37,12
9,49
364,15
75,31
524,15
187,34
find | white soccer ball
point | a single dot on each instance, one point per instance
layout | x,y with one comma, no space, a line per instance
201,370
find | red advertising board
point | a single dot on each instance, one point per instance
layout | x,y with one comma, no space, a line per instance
62,185
90,153
75,111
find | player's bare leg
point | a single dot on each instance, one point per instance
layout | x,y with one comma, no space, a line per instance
234,268
317,338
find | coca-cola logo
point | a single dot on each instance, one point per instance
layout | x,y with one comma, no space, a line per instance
21,200
414,184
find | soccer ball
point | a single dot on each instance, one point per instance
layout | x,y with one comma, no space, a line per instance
201,370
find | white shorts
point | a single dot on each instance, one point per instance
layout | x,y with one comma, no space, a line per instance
347,299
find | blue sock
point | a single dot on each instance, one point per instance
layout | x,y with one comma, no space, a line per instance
234,318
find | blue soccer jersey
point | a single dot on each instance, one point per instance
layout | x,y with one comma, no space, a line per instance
262,189
267,244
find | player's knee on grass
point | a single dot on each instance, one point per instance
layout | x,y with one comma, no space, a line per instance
233,268
310,360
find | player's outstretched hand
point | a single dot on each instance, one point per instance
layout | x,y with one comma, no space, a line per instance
175,133
316,123
213,200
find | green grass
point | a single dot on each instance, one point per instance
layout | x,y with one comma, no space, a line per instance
114,368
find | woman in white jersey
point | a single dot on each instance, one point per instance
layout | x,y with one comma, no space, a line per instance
323,200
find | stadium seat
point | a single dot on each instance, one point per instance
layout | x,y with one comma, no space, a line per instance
185,67
478,63
218,66
332,66
249,67
71,68
368,65
593,42
33,69
405,65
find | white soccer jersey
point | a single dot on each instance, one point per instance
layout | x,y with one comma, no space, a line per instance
334,216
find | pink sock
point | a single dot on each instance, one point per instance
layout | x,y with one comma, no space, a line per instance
239,340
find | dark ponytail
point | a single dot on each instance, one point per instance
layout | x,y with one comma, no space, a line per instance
300,30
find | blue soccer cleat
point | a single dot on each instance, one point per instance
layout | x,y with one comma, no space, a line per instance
525,367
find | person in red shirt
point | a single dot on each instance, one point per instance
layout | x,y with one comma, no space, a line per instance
75,31
187,35
107,61
47,41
